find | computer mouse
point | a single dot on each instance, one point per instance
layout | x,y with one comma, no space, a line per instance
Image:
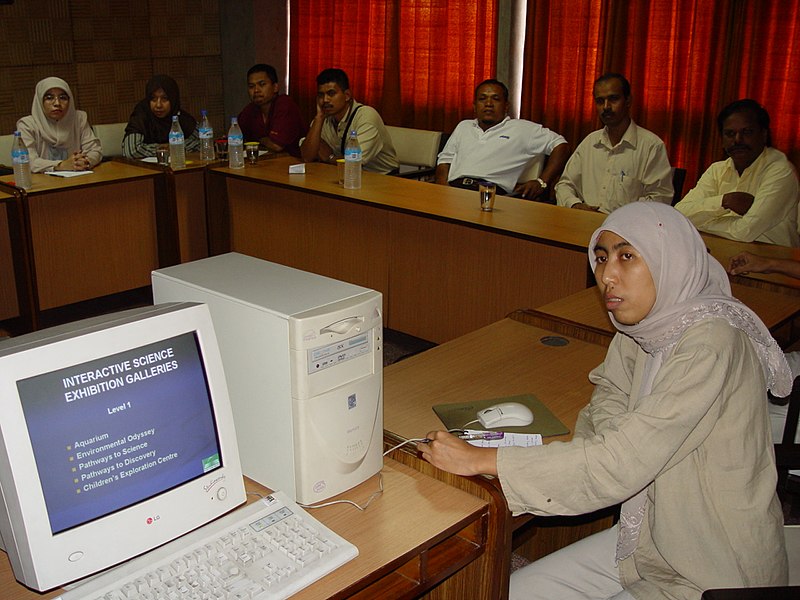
505,414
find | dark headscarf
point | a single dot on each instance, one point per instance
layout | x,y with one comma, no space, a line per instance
155,130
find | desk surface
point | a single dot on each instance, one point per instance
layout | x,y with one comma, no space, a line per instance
586,308
513,216
723,249
104,173
193,163
553,225
396,547
502,359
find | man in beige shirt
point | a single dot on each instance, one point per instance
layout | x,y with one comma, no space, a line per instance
338,114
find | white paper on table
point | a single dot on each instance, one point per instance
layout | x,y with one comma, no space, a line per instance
149,159
68,173
508,439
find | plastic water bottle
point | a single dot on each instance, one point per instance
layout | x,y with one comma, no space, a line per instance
206,134
235,145
352,163
21,160
177,145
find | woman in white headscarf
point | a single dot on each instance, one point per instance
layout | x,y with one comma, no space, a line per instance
57,135
676,430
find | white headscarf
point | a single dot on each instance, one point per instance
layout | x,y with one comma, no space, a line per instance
64,133
690,286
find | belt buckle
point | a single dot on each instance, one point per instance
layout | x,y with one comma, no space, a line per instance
468,181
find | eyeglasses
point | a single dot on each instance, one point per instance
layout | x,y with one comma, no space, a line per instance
52,98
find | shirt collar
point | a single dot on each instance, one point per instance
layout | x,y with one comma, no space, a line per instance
346,116
498,126
759,159
629,138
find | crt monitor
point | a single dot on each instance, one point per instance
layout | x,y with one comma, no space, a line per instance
116,436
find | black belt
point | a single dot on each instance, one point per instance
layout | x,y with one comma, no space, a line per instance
472,183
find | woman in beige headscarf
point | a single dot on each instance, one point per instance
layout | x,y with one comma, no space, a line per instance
676,431
57,135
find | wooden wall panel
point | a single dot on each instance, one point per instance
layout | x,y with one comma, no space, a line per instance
107,50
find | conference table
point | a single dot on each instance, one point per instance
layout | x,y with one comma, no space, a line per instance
510,357
776,310
15,270
186,188
444,267
400,554
97,234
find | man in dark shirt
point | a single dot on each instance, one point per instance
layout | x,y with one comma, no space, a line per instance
271,118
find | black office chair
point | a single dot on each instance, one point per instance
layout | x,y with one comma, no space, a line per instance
787,456
678,177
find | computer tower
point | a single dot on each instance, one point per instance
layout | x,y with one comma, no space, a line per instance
302,355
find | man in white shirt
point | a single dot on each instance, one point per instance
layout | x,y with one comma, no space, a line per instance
497,148
752,195
618,164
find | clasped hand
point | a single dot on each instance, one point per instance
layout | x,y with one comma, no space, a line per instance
78,161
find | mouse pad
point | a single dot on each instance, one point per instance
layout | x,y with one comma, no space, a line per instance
456,416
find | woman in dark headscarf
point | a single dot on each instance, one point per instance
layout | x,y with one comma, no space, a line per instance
151,119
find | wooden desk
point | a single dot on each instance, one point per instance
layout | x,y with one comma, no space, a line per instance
723,249
418,533
444,267
98,234
187,189
502,359
585,308
16,293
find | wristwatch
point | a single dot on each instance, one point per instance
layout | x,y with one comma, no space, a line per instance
542,183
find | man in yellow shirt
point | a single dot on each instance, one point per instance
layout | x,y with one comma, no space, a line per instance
751,196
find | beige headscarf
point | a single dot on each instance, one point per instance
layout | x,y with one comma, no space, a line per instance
64,134
690,286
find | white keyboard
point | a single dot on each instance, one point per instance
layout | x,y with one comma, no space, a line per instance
269,549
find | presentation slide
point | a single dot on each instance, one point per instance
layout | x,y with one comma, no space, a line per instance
109,433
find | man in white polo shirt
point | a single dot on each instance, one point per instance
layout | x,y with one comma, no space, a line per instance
497,148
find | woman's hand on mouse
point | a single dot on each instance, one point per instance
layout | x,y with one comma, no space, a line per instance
449,453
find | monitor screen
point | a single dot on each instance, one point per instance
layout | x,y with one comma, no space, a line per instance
112,432
117,436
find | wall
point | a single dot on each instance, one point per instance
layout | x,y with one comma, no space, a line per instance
107,50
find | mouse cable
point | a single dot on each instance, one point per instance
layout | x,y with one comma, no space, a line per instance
362,508
423,440
350,502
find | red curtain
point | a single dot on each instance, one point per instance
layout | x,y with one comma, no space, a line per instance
770,67
685,59
416,61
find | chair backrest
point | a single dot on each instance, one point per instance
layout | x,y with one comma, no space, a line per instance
533,169
416,147
110,136
5,149
678,177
